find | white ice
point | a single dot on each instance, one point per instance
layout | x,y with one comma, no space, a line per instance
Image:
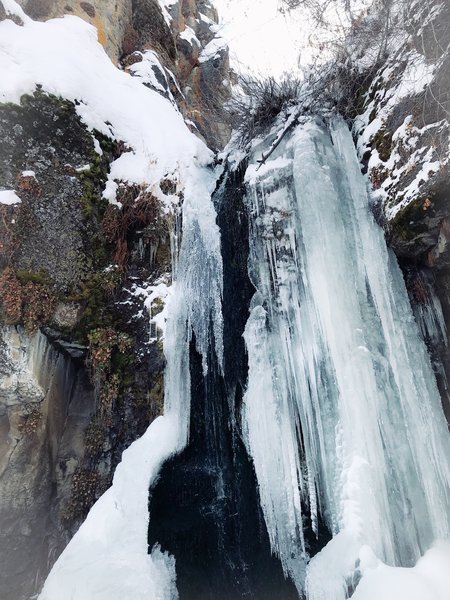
342,414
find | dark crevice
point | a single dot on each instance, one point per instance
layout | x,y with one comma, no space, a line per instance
205,506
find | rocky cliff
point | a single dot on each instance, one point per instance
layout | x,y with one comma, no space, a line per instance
190,60
81,362
403,138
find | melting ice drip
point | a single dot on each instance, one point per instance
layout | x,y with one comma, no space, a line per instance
342,414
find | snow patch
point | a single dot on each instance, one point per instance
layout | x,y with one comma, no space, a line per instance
189,35
64,57
213,49
428,580
107,558
12,8
255,172
9,198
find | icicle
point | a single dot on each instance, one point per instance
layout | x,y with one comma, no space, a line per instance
342,415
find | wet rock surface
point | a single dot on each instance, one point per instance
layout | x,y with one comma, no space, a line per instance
46,402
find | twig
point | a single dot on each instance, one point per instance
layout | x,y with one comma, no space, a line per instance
277,142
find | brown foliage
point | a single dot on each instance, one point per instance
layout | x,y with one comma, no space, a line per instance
32,303
139,209
10,296
38,305
27,183
103,342
87,486
30,421
8,231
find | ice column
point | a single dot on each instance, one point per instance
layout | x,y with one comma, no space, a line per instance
342,414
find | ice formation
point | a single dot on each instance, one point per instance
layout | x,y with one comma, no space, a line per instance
110,548
342,414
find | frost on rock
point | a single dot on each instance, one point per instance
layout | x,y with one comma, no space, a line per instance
342,415
405,126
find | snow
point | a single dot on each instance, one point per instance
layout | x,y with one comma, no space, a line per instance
417,75
158,294
12,8
107,558
28,174
145,70
65,58
406,74
188,34
259,171
212,49
9,198
165,9
428,580
83,169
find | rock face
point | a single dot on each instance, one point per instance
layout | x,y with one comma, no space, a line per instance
403,138
80,376
67,410
191,61
46,403
44,144
185,39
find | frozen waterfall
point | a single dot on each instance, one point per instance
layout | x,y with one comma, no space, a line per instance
342,415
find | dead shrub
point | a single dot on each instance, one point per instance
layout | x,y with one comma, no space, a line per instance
32,417
39,304
29,184
10,297
260,101
139,209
